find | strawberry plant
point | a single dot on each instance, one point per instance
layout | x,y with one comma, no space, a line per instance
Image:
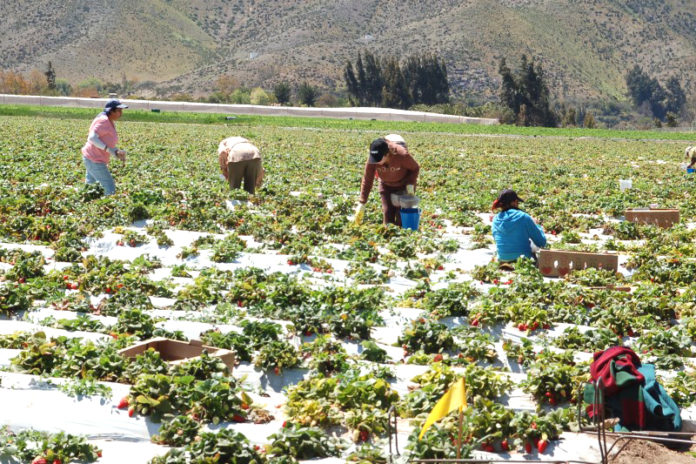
551,382
326,356
223,446
31,445
228,249
372,352
13,298
177,431
277,355
241,344
302,443
451,301
431,337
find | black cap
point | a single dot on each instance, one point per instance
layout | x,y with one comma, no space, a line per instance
507,196
378,148
112,105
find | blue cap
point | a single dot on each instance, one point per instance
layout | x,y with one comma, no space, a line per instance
112,105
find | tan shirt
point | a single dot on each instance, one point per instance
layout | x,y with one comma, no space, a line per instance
235,149
401,170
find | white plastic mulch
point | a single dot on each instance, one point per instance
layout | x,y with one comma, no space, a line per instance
31,402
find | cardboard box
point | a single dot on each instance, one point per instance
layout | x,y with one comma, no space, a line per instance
177,352
554,263
664,218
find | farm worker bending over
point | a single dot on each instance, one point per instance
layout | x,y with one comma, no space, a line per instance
690,155
101,145
513,229
240,161
397,171
397,139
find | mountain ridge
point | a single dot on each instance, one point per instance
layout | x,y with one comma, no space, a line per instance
585,47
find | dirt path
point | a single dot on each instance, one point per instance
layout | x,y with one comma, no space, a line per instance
648,452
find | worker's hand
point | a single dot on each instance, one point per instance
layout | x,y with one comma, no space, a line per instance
121,154
359,214
410,189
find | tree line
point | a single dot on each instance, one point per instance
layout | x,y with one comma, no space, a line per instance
421,79
648,95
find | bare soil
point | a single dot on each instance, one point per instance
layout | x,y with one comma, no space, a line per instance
648,452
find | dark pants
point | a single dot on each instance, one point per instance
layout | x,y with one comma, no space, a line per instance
390,213
247,170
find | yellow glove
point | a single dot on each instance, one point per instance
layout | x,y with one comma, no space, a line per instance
359,214
410,189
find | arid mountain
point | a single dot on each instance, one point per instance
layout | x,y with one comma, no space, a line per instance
586,46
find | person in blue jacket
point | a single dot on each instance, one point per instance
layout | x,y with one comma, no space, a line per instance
513,229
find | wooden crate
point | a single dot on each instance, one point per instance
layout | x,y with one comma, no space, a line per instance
177,352
555,263
664,218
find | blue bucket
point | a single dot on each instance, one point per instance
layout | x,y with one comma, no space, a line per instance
410,217
690,170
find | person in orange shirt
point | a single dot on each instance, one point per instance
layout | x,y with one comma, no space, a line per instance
397,171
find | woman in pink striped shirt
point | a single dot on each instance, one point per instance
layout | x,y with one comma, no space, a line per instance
101,145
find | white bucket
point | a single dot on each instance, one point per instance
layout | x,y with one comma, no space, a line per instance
625,184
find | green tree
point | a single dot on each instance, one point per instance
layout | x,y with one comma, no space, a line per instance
373,80
676,98
51,76
307,94
352,84
590,121
395,92
282,93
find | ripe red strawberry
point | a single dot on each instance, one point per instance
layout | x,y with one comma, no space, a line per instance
285,424
99,453
123,404
39,460
57,461
238,418
290,262
535,325
528,447
522,326
66,277
533,426
505,445
542,445
488,447
131,411
437,358
276,370
107,289
364,435
74,286
496,281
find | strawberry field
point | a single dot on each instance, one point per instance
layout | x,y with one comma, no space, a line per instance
333,325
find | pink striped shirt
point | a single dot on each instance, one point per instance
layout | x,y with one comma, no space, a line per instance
106,131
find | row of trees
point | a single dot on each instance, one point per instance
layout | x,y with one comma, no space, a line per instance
229,90
649,96
385,82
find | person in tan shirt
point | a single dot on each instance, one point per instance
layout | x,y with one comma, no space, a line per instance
395,168
240,161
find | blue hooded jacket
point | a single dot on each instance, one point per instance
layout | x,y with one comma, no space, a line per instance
512,230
